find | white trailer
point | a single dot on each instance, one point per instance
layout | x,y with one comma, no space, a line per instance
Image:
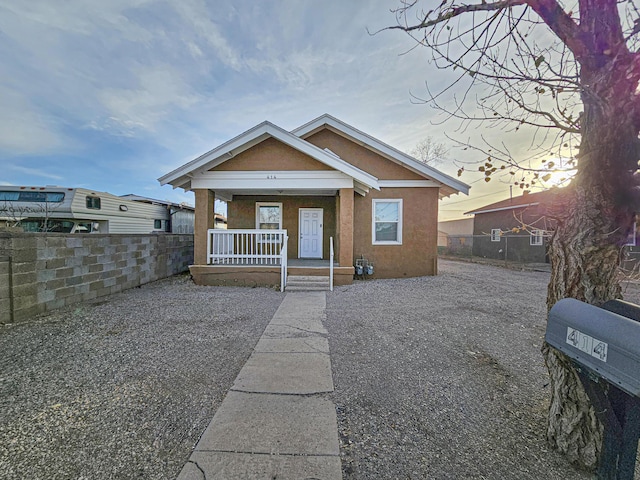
78,210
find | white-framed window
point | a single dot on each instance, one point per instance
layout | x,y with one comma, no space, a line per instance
268,217
386,228
537,237
495,234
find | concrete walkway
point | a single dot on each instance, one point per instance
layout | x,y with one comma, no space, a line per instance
275,422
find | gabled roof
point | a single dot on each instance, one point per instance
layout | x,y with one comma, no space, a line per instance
449,184
181,177
523,201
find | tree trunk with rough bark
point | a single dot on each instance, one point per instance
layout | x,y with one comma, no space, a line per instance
584,266
596,212
596,217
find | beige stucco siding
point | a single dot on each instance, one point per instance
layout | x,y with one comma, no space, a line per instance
241,213
361,157
417,256
271,154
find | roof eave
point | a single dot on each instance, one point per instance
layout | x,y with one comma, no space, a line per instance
383,149
180,177
510,207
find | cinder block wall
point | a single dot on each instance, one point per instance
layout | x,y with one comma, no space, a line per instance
45,271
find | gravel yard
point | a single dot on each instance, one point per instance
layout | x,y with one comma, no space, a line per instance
436,378
442,377
123,388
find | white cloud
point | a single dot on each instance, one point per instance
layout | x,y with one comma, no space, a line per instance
196,16
24,129
159,91
36,172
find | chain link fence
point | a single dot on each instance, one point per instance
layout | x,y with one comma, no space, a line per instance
518,249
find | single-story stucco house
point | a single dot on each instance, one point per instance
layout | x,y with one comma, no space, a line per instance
322,191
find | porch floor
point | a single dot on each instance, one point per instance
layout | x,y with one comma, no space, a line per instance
292,262
310,263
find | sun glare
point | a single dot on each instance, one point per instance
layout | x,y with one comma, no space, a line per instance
556,172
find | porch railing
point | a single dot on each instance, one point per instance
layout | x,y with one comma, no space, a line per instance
249,247
331,264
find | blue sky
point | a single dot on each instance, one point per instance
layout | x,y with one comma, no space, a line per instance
110,95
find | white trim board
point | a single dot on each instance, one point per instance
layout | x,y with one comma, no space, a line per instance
408,184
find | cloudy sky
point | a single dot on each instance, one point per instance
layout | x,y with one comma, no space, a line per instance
110,95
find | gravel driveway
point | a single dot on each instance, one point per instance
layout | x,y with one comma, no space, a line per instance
436,378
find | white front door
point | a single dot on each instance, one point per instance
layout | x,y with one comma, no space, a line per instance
310,242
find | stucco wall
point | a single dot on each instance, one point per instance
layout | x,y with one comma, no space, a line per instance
241,213
272,155
45,271
418,254
361,157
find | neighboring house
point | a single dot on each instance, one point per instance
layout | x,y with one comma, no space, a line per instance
442,238
79,210
515,229
324,180
456,235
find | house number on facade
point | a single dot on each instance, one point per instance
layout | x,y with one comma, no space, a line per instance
271,177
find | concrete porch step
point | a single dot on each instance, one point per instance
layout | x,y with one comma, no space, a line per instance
306,283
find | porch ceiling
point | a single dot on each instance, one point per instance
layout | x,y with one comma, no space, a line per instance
227,195
226,184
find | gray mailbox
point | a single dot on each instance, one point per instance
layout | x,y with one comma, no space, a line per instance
603,341
604,346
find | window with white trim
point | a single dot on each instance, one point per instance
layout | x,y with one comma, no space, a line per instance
386,228
495,234
537,237
268,217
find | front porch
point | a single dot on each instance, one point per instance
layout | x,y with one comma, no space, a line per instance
258,257
257,275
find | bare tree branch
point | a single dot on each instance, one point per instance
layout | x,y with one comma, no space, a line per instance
452,12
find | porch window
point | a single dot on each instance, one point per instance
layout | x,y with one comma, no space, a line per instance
387,222
268,217
536,237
